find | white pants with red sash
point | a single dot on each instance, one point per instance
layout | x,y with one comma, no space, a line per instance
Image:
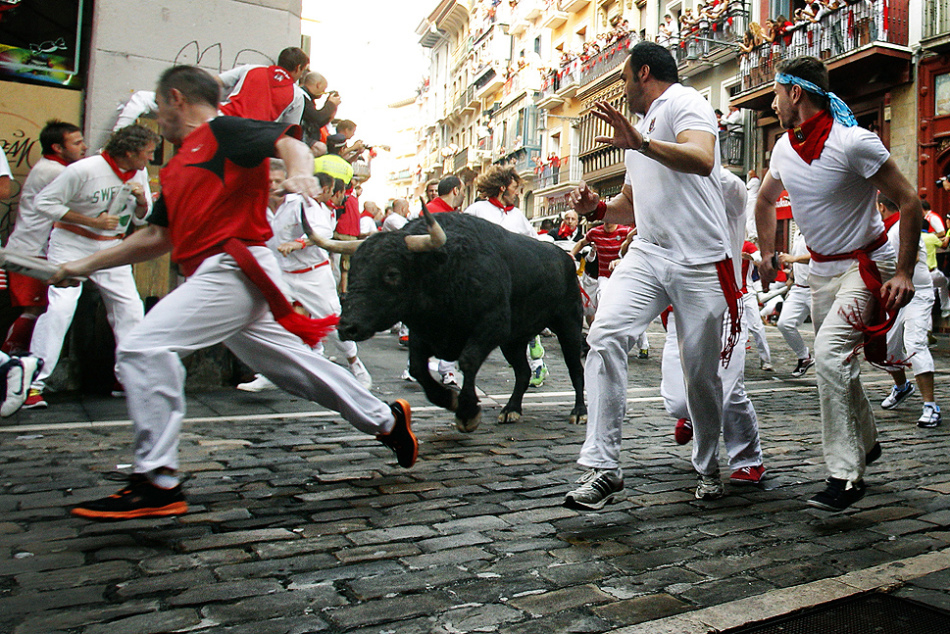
316,292
848,427
740,425
219,304
753,323
124,309
639,289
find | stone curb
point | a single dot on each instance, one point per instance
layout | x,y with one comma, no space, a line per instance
784,601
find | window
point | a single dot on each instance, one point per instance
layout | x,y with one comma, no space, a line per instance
41,42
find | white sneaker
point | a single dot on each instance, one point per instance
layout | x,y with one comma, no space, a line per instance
406,376
361,373
449,379
766,367
20,373
259,384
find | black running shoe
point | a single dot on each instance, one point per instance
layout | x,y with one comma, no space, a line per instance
401,439
139,498
838,495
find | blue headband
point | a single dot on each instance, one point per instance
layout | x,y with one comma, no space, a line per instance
839,110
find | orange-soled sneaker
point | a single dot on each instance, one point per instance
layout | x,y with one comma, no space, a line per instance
748,475
139,498
35,400
401,439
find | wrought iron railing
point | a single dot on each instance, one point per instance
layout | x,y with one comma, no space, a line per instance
936,19
606,60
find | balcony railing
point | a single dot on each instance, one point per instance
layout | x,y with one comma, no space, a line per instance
731,146
936,19
568,170
835,35
710,38
606,60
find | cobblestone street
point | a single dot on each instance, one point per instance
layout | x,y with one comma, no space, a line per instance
299,523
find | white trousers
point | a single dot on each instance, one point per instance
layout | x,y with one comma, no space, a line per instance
316,292
795,311
124,309
219,304
847,421
940,283
641,287
740,425
753,322
908,336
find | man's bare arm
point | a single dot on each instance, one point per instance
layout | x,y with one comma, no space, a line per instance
765,226
899,290
146,244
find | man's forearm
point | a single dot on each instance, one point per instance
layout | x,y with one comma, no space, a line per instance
765,227
687,158
76,218
911,221
145,244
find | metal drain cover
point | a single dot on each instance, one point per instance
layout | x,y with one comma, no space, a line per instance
873,613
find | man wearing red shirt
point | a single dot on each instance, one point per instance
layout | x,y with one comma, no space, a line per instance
450,195
212,217
267,93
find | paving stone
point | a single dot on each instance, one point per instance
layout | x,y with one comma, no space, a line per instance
647,608
163,583
82,576
558,600
389,610
290,603
46,622
240,538
28,602
428,579
153,623
227,591
385,535
174,563
575,622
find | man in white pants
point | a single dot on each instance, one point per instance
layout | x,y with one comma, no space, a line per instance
93,203
681,257
212,217
750,315
797,305
832,170
500,189
907,338
740,427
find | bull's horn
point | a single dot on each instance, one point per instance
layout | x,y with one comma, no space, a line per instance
346,247
433,240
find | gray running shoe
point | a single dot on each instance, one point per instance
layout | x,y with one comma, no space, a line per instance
709,487
898,395
599,487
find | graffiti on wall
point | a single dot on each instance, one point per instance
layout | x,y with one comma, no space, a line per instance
212,58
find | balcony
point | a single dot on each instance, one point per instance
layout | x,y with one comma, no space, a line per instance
572,6
465,102
556,180
548,96
607,61
936,31
711,45
521,82
863,45
531,9
488,80
553,17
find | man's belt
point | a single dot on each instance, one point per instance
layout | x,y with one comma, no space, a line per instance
309,268
85,233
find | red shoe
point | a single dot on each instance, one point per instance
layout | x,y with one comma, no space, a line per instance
748,475
34,400
683,432
404,341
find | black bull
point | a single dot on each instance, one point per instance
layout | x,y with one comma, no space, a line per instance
485,288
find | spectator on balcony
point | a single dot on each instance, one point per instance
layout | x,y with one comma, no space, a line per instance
833,170
449,197
681,257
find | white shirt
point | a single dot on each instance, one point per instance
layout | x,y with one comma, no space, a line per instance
88,187
922,280
31,233
680,217
752,192
394,222
734,196
4,166
367,225
513,220
287,227
800,269
833,202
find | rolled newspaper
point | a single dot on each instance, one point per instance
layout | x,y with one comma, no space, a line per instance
27,265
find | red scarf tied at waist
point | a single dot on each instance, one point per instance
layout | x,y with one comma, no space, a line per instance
734,304
310,330
875,329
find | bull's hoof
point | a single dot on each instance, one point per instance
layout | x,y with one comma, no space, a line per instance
507,418
470,425
576,419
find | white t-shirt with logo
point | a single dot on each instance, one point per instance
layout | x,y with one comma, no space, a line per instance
833,202
680,217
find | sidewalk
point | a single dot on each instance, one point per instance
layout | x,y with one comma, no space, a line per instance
299,523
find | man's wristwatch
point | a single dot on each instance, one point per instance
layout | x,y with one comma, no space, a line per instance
645,145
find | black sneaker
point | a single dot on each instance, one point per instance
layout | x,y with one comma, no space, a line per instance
838,495
871,456
139,498
802,367
401,439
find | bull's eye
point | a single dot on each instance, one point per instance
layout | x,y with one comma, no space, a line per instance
392,276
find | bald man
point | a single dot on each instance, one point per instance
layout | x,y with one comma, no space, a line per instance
315,86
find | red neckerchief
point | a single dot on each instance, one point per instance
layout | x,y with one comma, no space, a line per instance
890,221
55,158
498,203
565,231
808,140
367,214
124,176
